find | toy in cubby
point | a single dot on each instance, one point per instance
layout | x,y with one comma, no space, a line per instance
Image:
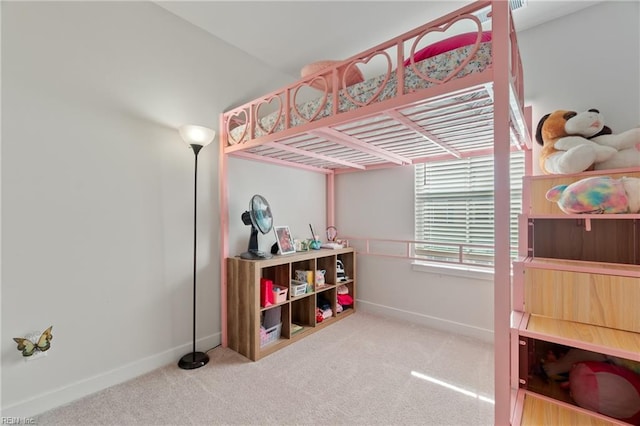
598,194
598,382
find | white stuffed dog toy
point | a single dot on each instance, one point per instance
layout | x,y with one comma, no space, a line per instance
574,142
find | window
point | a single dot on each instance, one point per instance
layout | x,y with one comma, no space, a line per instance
454,209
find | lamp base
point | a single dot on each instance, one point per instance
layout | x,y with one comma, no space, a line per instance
193,360
255,255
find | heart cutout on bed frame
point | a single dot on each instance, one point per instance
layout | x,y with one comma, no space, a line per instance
318,79
240,118
443,29
269,101
365,61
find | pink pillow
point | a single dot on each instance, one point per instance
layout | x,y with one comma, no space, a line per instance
448,44
353,76
608,389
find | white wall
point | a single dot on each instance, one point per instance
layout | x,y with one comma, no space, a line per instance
569,63
586,60
383,208
297,198
97,191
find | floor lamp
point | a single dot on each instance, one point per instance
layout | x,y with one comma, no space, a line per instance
197,137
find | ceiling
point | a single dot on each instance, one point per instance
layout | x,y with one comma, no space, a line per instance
289,34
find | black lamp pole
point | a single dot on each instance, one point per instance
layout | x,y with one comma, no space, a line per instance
194,359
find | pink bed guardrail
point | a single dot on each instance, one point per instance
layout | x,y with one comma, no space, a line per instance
283,101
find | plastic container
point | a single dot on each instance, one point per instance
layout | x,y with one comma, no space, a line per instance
271,335
298,288
279,294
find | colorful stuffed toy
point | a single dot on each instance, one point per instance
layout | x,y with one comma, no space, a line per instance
600,194
574,142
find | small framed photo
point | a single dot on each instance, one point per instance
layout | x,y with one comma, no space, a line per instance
285,242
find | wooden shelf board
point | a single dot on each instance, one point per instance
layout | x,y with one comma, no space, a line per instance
582,294
278,259
346,312
302,296
305,331
272,347
620,269
538,410
321,288
626,216
624,344
326,322
273,305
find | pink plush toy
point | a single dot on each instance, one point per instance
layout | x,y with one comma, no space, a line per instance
600,194
601,383
607,389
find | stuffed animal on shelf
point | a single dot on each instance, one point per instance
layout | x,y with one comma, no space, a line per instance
573,142
599,194
606,388
598,382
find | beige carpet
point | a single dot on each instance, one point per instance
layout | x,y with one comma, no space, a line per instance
363,370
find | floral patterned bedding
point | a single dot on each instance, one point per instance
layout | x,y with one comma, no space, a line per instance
437,68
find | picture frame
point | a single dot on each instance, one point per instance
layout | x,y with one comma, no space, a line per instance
284,240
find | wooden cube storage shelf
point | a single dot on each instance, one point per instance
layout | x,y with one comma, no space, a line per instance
244,312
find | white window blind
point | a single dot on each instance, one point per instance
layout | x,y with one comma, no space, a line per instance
454,206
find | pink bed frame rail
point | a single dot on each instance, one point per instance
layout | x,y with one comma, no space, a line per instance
501,84
323,144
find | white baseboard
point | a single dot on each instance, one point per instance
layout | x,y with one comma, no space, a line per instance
437,323
46,401
69,393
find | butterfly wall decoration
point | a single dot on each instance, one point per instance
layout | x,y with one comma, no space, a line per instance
28,347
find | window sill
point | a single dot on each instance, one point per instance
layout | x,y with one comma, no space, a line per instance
457,271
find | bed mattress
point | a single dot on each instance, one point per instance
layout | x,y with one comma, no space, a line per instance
437,68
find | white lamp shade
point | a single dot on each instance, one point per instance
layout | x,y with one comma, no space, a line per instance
197,135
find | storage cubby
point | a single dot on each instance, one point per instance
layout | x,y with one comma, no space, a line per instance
279,274
303,311
349,262
297,313
536,379
611,241
326,303
328,265
576,289
281,311
305,265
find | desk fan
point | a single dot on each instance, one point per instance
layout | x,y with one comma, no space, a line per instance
260,218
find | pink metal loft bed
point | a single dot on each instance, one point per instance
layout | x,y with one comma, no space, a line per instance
458,104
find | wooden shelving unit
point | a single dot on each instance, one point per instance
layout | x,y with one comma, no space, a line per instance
245,314
577,284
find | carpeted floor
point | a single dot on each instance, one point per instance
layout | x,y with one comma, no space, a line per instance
364,370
